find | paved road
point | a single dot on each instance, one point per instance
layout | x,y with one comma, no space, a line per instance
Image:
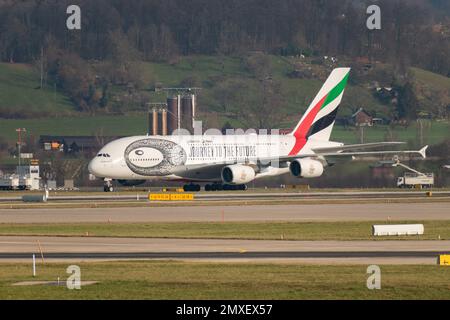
288,212
16,244
240,195
225,255
80,248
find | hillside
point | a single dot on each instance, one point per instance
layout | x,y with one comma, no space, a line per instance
433,90
19,83
20,95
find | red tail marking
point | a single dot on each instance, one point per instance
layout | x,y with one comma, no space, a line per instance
302,130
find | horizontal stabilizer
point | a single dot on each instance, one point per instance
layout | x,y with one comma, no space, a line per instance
423,152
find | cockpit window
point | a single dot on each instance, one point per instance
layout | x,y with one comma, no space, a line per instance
105,155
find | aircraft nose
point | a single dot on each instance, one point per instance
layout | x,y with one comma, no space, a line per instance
94,167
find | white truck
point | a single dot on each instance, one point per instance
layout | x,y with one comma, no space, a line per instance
25,178
414,178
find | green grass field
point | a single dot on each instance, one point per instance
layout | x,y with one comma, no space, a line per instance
200,280
19,91
229,230
430,79
82,126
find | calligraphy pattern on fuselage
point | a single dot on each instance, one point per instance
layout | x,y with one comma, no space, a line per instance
174,155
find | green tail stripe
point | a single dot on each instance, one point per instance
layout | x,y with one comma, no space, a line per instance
336,91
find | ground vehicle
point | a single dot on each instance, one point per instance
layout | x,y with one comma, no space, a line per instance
25,178
413,179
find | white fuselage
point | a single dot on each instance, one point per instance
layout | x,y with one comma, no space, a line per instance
173,157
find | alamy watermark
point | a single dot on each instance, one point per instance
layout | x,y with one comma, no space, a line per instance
374,20
374,280
74,280
73,22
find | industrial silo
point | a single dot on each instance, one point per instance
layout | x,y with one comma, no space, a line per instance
152,122
172,116
188,112
164,122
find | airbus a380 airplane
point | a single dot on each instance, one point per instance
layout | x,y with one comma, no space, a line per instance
231,161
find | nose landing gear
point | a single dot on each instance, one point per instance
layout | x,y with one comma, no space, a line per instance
107,185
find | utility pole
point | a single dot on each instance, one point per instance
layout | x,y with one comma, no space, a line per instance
361,134
420,127
42,67
19,143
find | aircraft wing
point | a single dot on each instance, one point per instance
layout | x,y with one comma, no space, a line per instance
356,146
420,152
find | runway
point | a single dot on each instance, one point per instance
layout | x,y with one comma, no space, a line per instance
288,212
110,244
224,255
85,248
220,196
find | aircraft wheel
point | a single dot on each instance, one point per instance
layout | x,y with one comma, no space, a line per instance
192,187
218,187
207,187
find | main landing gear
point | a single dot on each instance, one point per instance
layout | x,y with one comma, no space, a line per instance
192,187
225,187
214,187
107,185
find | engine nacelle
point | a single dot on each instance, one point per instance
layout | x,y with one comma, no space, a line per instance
238,174
130,183
306,168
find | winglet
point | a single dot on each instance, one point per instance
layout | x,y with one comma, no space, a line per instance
422,152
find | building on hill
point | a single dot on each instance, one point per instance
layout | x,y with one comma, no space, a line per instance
362,118
73,144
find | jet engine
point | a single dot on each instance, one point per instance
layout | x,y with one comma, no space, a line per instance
237,174
130,183
306,168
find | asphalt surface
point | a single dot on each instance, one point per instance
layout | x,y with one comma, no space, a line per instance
99,248
218,196
15,244
288,212
224,255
